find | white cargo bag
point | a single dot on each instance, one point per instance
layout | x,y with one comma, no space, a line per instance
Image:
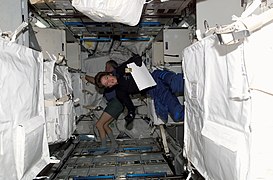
23,144
59,111
217,112
125,11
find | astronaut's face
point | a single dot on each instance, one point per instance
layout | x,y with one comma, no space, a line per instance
108,80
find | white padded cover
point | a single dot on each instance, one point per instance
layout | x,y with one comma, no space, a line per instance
122,11
228,107
23,144
217,110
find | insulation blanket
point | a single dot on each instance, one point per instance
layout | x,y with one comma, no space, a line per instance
21,112
126,11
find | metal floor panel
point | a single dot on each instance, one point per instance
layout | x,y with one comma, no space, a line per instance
134,159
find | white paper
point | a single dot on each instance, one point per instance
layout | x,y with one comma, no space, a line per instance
142,76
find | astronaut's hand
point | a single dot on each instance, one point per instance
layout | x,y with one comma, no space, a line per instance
82,77
138,60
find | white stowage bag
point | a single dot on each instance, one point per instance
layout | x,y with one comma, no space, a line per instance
122,11
40,1
59,111
217,110
23,144
228,107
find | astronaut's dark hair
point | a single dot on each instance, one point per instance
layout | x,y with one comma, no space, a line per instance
113,63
